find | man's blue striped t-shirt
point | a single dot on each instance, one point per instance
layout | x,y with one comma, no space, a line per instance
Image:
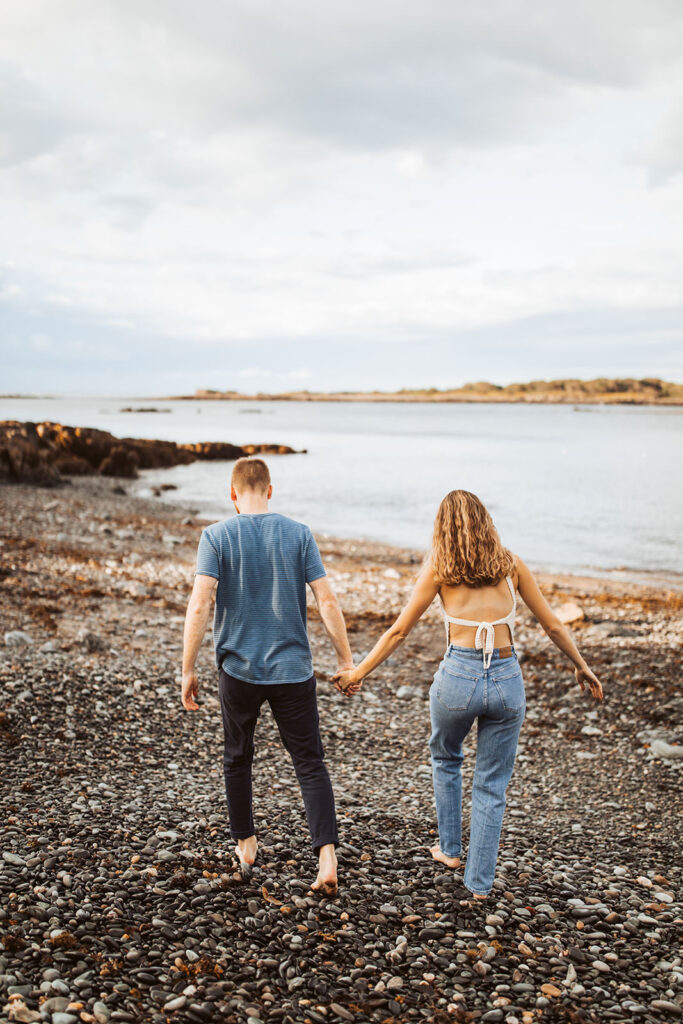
262,562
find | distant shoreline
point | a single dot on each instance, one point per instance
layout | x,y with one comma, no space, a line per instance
387,398
624,391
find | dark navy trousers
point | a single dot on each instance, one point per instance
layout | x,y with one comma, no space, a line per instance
295,710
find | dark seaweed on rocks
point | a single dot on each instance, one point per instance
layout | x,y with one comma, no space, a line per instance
47,453
120,898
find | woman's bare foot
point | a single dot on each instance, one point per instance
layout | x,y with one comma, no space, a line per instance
246,851
438,854
327,871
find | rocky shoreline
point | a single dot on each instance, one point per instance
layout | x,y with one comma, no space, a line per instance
120,896
49,453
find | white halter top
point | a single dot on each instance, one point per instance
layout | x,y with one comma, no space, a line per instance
485,635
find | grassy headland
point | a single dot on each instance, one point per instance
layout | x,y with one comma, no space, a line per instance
623,391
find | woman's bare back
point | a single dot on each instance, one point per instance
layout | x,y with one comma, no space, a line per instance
479,604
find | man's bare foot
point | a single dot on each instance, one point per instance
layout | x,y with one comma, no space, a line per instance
246,851
327,871
438,854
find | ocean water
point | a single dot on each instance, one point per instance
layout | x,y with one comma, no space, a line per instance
577,489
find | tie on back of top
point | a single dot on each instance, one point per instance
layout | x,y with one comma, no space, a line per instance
485,634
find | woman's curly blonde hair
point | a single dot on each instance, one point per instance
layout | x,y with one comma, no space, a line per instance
466,547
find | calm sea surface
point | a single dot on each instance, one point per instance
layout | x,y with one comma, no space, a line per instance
574,488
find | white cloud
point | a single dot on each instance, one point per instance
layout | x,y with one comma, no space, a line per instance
663,154
41,342
411,164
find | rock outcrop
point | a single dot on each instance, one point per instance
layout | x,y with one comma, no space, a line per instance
46,453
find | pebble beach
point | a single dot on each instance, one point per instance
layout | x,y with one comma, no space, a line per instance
120,898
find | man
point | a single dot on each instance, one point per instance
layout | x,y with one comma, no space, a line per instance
259,563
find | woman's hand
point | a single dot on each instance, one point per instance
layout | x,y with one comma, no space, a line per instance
585,677
347,681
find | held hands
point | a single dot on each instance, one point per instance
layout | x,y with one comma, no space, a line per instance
190,687
585,677
346,680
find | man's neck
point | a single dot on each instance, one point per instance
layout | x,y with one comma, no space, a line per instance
252,506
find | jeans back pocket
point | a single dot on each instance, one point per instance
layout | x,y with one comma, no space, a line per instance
455,688
510,687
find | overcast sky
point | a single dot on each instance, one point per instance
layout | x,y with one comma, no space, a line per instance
276,195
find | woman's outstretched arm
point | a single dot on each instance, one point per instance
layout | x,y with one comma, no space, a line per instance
424,592
551,625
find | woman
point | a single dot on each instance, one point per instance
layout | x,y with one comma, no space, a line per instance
477,580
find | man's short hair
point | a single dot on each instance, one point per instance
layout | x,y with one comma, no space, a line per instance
250,475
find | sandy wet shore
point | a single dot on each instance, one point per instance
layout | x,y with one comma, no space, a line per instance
119,894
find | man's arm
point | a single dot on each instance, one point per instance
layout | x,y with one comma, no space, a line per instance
196,621
332,620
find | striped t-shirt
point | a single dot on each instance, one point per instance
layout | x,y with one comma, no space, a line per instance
262,562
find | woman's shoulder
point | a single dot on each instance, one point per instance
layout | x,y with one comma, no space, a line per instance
521,571
518,568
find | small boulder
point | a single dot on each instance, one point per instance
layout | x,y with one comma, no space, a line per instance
609,629
17,638
667,751
136,589
570,612
92,642
408,693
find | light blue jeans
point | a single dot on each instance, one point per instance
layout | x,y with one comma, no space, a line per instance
463,691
